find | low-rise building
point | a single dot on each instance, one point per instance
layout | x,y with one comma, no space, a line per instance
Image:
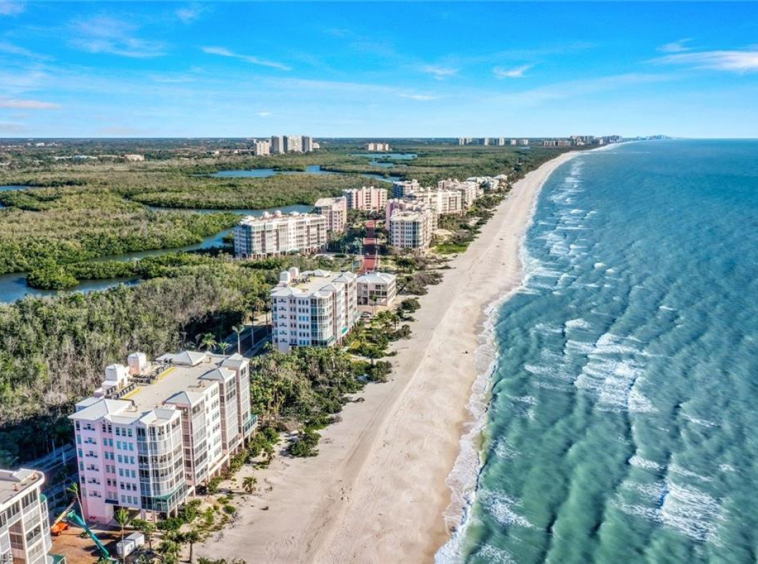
366,198
24,520
376,289
334,210
277,234
411,229
313,309
135,158
155,431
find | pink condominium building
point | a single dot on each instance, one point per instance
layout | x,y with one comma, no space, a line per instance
334,210
156,430
366,198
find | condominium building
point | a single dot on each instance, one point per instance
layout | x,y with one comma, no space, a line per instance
277,145
155,431
402,188
366,198
315,308
277,234
469,190
409,205
262,148
293,144
378,147
24,521
307,144
377,289
334,210
444,202
524,142
411,229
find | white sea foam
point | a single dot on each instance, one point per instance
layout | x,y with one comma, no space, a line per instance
639,462
578,323
503,509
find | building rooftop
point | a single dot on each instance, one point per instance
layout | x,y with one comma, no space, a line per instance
312,282
185,376
377,278
276,217
14,482
329,202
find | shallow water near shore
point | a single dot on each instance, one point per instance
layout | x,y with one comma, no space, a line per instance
620,427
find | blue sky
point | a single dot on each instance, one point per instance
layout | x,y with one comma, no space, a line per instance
213,69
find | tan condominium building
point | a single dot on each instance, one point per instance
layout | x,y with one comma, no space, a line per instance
470,191
277,234
262,147
378,147
313,309
444,202
376,289
402,188
334,210
411,229
156,430
408,205
24,520
366,198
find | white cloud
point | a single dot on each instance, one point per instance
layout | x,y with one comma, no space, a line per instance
418,97
104,34
11,128
17,104
190,13
224,52
11,7
517,72
440,73
264,114
740,61
675,46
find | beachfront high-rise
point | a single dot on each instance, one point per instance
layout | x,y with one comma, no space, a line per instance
469,190
313,309
366,198
411,229
444,202
277,234
155,431
24,520
334,210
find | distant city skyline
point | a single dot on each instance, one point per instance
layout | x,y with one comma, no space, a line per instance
217,69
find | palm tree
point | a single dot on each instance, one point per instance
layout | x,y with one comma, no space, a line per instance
74,490
191,537
122,518
208,341
248,484
147,528
169,549
239,329
223,346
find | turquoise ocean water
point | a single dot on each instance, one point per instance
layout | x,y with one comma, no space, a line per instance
623,424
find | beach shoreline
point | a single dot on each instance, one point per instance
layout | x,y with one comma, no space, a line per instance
379,489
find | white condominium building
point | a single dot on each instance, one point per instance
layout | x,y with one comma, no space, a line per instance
444,202
307,144
401,189
313,309
293,144
277,234
24,521
411,229
334,210
155,431
366,198
377,288
469,190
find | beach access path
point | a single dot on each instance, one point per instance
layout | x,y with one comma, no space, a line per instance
377,490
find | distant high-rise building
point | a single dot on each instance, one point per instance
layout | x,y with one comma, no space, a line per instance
293,144
378,147
262,148
307,144
277,145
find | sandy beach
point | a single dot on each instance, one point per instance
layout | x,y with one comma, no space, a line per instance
377,490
